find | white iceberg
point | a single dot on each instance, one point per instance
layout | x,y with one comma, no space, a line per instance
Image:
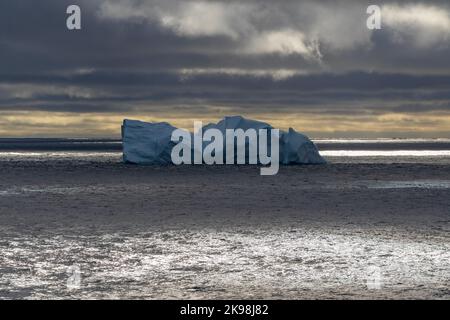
150,143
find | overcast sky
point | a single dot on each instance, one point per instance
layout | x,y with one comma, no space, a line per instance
311,65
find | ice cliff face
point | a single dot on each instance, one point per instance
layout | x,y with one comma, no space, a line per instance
147,143
150,143
296,148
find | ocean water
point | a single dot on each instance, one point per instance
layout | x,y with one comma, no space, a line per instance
334,150
338,231
385,150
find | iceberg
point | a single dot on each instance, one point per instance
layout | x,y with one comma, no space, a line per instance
151,143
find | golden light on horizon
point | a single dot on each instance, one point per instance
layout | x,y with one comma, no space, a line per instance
66,124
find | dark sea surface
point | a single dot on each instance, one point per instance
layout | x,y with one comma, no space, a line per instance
60,144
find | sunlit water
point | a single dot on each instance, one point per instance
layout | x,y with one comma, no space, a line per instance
385,153
61,155
318,261
300,263
378,151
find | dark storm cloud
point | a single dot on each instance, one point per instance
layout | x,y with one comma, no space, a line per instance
37,41
352,80
424,107
151,55
116,92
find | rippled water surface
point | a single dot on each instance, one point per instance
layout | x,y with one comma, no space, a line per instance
75,222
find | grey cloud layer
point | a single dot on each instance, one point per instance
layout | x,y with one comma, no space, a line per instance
247,55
